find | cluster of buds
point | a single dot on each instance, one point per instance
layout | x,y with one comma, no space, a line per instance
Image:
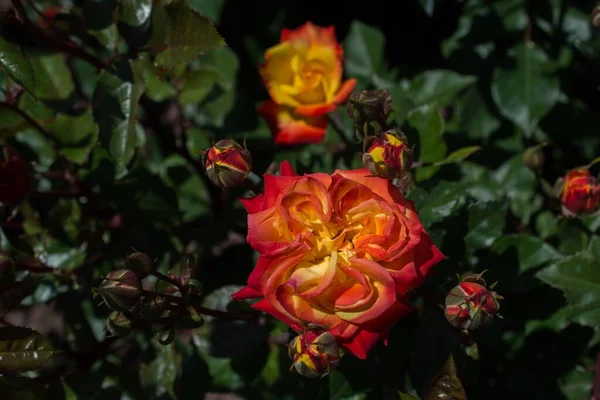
227,163
122,291
534,157
314,352
14,178
470,304
386,152
579,192
369,109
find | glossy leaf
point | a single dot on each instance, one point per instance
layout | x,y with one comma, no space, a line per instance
52,76
76,135
115,103
158,376
486,223
429,123
440,86
16,64
363,49
23,349
526,92
188,35
135,12
458,155
531,251
441,202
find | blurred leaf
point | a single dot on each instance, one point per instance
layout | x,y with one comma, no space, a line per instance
158,376
440,86
135,12
115,102
16,64
53,79
157,89
531,251
363,50
60,255
188,35
475,117
546,224
527,91
17,388
196,86
578,276
577,384
23,349
458,155
486,223
210,8
76,135
428,121
406,396
12,293
441,202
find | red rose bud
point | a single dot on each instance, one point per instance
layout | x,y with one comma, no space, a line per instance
121,290
388,156
139,263
14,180
118,324
579,192
227,163
471,304
314,352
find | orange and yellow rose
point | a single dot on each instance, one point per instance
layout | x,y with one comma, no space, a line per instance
341,251
303,75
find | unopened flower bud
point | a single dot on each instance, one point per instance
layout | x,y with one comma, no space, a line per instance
118,324
121,290
139,263
152,308
389,155
446,384
14,180
471,304
227,163
534,158
314,353
366,106
579,192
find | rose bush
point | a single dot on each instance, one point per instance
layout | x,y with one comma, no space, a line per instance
303,75
340,250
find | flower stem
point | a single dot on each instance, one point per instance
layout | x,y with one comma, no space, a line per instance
335,118
166,278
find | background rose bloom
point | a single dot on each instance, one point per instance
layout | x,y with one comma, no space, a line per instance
337,250
303,75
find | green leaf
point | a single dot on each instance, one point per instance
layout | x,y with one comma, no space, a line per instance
531,251
156,89
458,155
23,349
135,13
441,202
53,78
188,35
526,92
578,276
363,50
486,222
196,86
475,117
429,123
577,384
115,103
12,293
16,64
76,135
158,376
210,8
546,224
440,86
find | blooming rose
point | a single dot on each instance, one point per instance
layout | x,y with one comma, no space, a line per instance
580,192
340,250
303,75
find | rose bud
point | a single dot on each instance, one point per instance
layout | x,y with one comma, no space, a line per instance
388,156
152,308
118,324
14,180
367,106
579,192
314,352
227,163
471,304
534,158
139,263
121,290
